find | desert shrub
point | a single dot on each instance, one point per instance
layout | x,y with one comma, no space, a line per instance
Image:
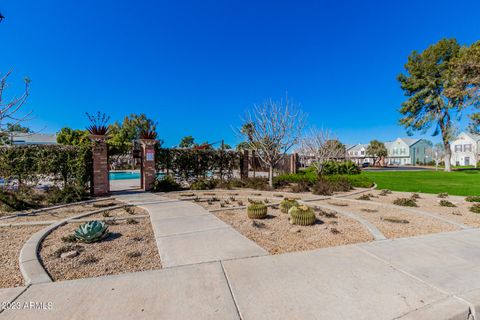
364,197
369,210
415,196
203,184
405,202
473,199
131,221
68,194
395,220
475,208
443,195
340,183
322,187
302,186
165,184
257,183
16,200
446,203
385,192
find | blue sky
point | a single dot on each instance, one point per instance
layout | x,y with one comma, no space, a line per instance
196,66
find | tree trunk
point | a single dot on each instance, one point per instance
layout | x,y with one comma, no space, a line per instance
448,156
270,177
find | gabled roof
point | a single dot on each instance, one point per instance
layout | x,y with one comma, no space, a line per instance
358,147
410,141
475,137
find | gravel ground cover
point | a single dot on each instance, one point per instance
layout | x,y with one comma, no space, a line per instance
62,213
395,223
277,235
11,242
431,203
130,247
119,213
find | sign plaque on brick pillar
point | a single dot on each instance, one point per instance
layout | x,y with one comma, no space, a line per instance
148,164
100,183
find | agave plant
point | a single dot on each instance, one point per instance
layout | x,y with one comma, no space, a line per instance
287,203
98,124
91,231
257,210
302,215
149,131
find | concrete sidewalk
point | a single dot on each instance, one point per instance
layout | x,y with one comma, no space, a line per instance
429,277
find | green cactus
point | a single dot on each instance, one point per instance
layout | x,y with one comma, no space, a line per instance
302,215
257,211
287,203
91,231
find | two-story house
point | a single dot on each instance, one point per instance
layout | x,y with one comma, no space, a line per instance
465,149
358,154
407,151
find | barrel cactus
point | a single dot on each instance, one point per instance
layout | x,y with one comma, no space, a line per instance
91,231
287,203
302,215
257,210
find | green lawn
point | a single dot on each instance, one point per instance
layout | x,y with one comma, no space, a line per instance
462,183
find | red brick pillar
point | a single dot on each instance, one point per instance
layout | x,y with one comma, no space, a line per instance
244,165
148,171
100,183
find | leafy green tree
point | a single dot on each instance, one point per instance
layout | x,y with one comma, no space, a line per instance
16,127
122,135
187,142
466,84
377,151
426,83
73,137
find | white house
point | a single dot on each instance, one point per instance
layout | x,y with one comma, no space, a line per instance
407,151
358,154
465,149
20,138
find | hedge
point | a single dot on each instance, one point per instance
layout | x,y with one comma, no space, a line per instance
69,165
190,164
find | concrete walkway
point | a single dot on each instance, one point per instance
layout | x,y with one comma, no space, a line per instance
427,277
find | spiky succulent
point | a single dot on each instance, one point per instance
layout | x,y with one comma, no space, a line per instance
287,203
257,210
91,231
302,215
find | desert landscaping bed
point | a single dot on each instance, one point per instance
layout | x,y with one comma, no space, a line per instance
125,212
277,235
11,242
392,222
431,203
62,213
130,247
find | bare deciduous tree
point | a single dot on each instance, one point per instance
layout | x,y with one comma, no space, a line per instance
321,146
10,110
274,128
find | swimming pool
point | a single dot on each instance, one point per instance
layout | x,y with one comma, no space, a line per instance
127,175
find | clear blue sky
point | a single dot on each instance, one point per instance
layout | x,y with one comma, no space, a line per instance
196,66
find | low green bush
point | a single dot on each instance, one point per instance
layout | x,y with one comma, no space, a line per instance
405,202
446,203
473,199
344,167
475,208
166,184
68,194
203,184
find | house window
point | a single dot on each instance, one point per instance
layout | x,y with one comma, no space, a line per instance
458,148
467,148
362,153
402,151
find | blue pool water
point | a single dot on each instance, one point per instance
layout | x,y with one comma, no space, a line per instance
126,175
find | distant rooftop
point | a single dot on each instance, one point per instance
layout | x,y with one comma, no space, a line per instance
21,138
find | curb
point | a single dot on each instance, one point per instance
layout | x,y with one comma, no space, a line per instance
31,267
